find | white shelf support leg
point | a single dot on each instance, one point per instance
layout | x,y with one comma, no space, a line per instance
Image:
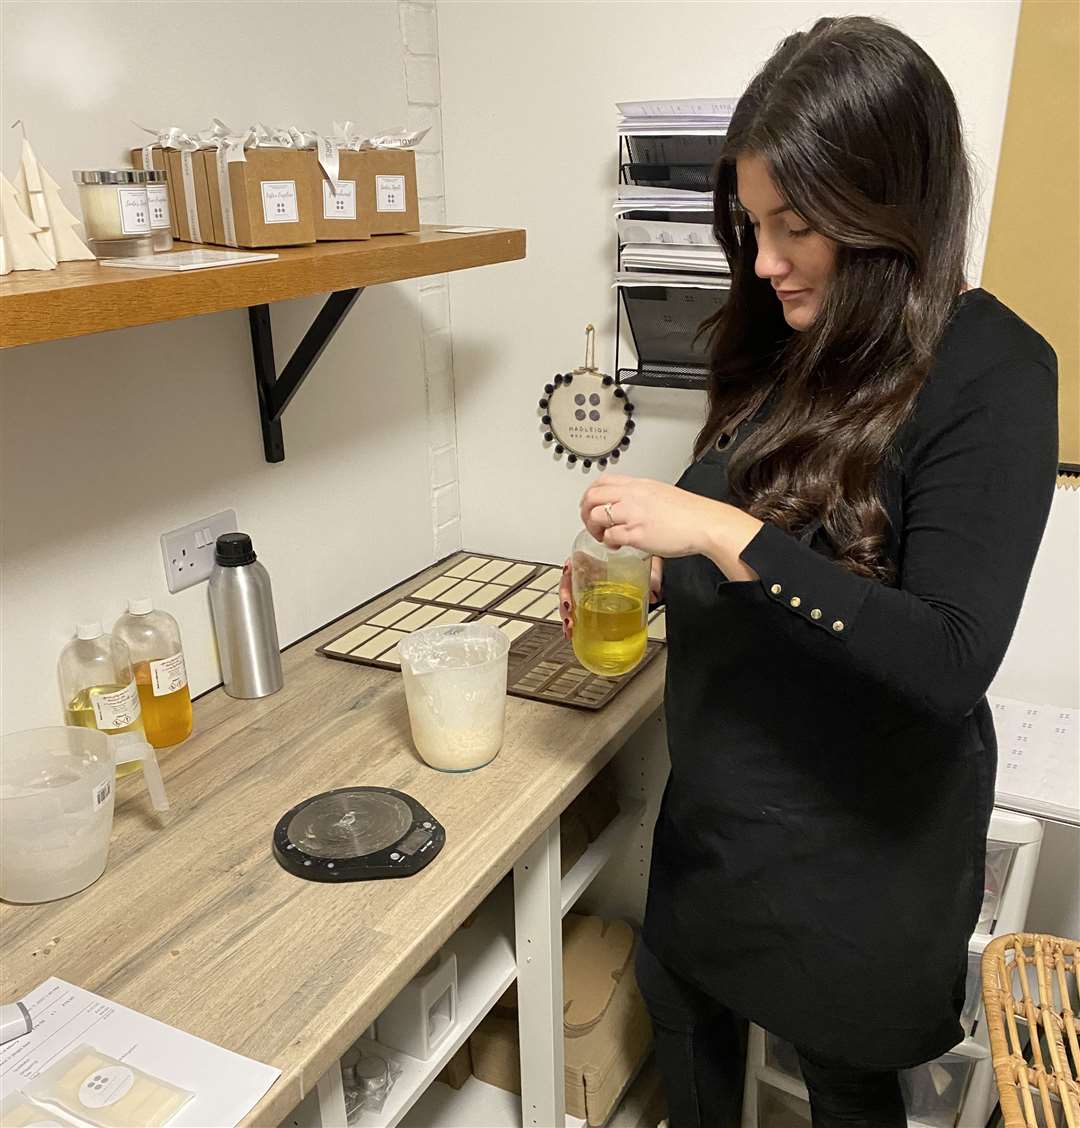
538,927
331,1093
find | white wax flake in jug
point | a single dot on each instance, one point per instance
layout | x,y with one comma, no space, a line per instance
107,1092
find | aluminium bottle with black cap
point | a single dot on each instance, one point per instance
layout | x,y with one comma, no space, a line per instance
243,608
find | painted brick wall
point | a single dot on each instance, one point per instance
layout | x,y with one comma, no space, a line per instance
420,58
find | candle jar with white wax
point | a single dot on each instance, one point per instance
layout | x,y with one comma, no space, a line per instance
116,211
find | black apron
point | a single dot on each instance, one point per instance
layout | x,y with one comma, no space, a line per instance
818,858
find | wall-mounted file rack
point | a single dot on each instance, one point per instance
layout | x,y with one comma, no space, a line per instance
670,273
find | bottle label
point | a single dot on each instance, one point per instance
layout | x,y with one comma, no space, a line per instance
167,675
117,709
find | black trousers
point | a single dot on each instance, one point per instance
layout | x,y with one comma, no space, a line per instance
701,1053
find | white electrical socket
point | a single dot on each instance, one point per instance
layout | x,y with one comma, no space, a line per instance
188,553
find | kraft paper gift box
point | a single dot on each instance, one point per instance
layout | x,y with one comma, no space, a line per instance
386,189
191,195
156,156
267,198
342,214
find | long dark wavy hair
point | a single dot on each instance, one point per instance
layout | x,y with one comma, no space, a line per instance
862,137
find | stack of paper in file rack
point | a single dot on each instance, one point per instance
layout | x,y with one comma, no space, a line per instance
671,273
669,115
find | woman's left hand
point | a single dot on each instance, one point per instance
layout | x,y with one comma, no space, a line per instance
666,521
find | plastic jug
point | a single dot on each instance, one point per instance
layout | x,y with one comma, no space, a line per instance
57,789
455,687
611,605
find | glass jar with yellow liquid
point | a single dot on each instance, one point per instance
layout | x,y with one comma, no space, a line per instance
97,685
611,605
153,638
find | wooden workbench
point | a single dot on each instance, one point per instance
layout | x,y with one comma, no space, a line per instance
195,923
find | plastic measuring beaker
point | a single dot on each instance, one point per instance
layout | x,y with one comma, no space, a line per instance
57,790
455,687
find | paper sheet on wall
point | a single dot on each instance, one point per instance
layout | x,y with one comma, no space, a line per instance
226,1085
1038,759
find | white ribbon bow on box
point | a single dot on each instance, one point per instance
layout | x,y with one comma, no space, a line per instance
326,149
346,136
230,148
173,137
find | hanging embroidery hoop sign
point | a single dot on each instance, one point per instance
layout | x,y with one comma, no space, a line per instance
586,414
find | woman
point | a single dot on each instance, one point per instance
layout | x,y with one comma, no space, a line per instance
844,563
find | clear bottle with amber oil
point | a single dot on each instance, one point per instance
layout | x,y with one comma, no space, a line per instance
611,603
153,638
97,685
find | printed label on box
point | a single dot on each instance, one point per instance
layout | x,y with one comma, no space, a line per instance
279,200
390,193
116,710
167,675
157,196
339,202
134,211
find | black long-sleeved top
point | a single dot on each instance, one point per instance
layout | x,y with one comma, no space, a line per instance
818,860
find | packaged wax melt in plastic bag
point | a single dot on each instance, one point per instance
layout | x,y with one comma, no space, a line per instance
110,1093
17,1112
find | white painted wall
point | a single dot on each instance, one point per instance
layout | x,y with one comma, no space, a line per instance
530,141
1043,666
110,440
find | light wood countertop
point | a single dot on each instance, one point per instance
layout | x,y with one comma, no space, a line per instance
194,922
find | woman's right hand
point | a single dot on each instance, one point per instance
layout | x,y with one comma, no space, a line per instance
566,592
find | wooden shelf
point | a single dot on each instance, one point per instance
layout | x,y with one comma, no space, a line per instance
486,967
475,1105
84,297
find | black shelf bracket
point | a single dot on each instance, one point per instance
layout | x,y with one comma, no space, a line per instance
275,392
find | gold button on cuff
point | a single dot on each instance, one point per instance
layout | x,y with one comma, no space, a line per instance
838,625
795,601
776,589
816,613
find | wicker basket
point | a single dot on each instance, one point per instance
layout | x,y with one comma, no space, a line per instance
1034,1041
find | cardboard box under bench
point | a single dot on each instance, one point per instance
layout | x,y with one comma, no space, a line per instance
606,1025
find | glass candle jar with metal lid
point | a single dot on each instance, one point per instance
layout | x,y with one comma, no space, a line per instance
157,197
116,211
